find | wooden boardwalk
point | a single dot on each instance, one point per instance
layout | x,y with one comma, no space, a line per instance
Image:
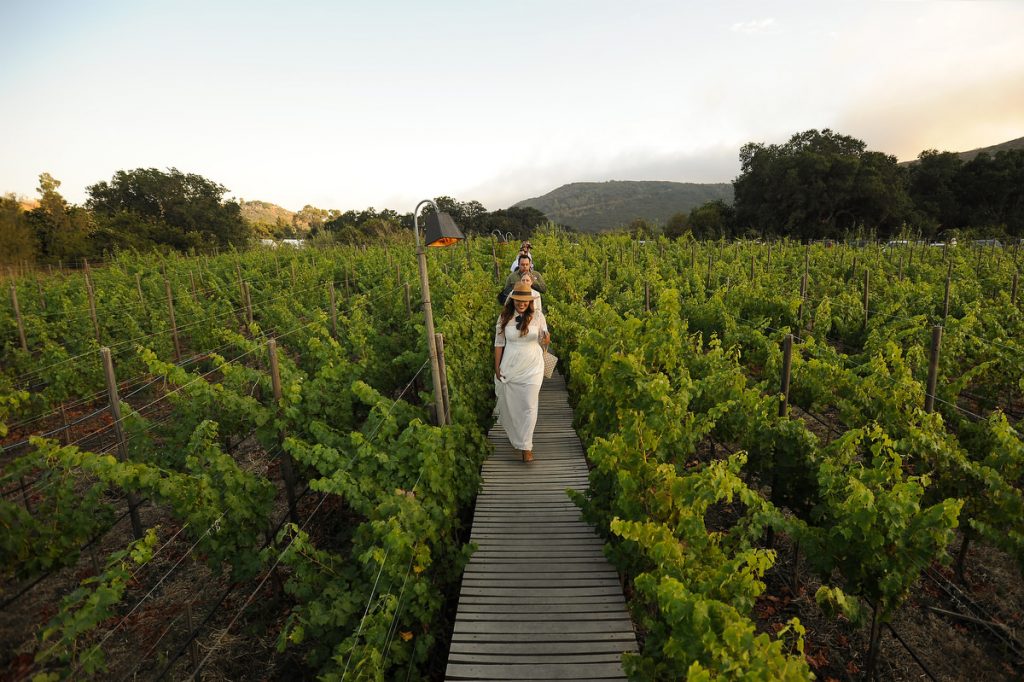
539,601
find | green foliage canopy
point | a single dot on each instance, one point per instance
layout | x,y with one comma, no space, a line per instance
183,210
17,242
819,184
986,191
62,230
712,220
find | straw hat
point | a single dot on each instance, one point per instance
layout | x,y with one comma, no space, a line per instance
521,292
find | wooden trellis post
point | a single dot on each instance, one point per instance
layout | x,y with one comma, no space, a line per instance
122,444
286,460
92,307
933,369
174,325
867,287
443,369
17,315
334,309
787,367
247,301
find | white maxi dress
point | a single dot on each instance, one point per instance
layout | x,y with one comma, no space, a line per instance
522,372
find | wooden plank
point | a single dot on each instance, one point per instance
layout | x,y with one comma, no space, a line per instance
540,616
557,671
539,628
606,574
597,590
514,525
585,607
513,522
541,637
514,506
520,568
536,657
520,648
547,552
553,601
554,497
568,562
578,544
493,541
514,489
541,534
526,584
525,518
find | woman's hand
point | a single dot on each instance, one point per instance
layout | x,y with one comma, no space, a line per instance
497,373
545,340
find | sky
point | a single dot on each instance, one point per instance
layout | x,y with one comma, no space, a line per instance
352,104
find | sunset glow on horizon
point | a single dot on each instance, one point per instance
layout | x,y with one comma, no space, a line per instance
348,105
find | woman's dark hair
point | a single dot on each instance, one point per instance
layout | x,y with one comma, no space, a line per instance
509,311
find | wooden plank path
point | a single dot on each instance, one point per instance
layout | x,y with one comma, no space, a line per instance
539,601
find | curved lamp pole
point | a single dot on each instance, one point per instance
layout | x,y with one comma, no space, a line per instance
441,230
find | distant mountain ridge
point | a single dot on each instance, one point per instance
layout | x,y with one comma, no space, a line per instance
992,150
602,206
1002,147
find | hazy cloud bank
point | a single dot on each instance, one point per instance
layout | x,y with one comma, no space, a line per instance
717,164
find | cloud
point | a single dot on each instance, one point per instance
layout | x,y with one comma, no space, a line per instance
712,164
755,27
904,121
949,77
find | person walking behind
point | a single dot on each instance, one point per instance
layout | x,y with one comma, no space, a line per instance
524,250
526,266
519,367
528,280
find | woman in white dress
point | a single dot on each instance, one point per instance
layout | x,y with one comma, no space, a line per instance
519,367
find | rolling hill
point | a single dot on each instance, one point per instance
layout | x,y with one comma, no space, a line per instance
602,206
265,214
1005,146
992,150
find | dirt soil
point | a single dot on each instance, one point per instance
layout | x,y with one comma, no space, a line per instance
150,628
950,648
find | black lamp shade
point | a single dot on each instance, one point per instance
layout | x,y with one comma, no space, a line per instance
441,230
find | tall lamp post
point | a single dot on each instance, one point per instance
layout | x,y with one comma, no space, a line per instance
440,230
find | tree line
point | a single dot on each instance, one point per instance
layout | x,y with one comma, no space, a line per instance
149,209
354,227
818,185
821,185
